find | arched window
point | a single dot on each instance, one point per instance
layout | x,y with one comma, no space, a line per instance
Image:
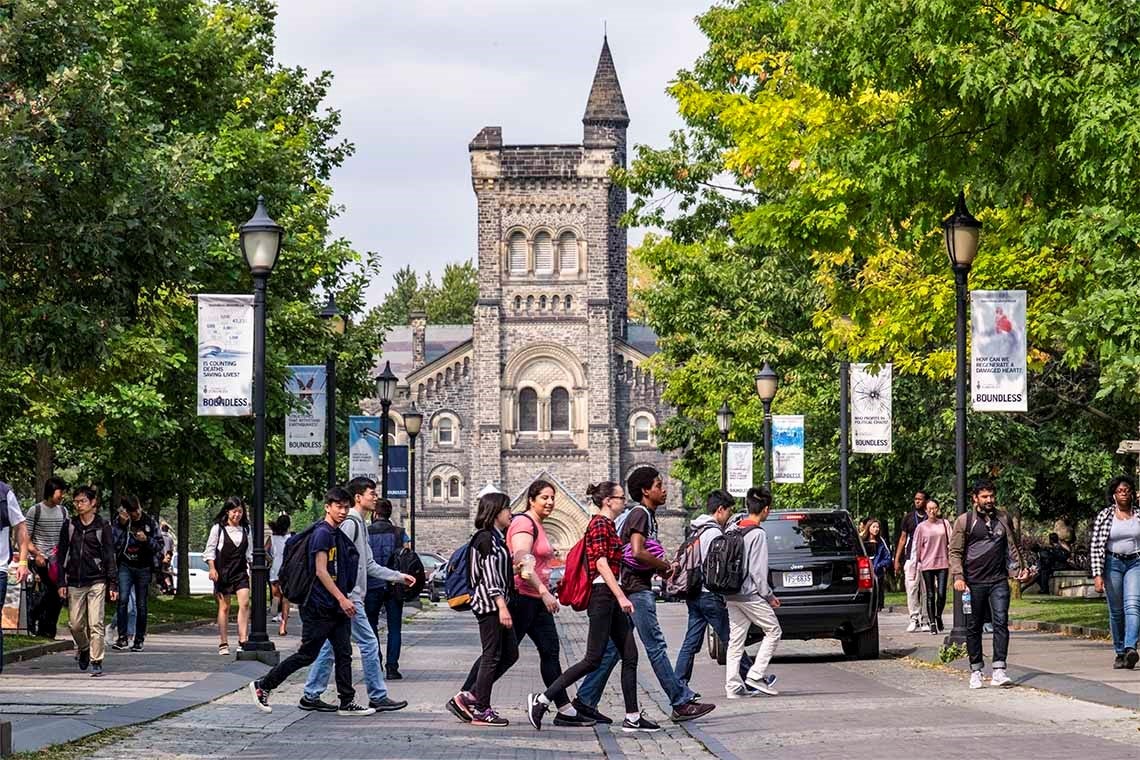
543,254
641,430
568,253
437,488
516,248
453,488
528,410
446,431
560,410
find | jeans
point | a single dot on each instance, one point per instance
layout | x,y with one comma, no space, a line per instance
934,587
742,615
361,633
319,629
707,610
3,596
134,580
378,599
609,626
649,630
994,596
1122,588
531,618
500,652
130,602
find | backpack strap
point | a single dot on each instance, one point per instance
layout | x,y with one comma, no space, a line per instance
534,525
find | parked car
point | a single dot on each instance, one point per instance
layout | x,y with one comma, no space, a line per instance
821,573
435,570
200,582
556,575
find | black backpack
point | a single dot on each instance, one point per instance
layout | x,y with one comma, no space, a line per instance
724,566
296,575
408,562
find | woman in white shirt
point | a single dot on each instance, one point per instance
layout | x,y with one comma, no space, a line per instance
1115,557
275,547
229,553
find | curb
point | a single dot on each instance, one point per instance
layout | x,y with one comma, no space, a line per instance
62,645
1063,629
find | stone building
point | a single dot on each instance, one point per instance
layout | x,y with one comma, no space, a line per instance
547,381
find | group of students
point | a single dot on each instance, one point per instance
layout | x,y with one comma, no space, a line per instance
508,565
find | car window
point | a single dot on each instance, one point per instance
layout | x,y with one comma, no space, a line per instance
812,533
430,562
197,563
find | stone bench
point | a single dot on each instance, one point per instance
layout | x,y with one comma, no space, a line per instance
1074,584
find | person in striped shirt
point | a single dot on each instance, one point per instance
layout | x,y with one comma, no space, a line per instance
45,521
491,577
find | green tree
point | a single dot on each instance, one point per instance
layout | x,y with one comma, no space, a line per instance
453,302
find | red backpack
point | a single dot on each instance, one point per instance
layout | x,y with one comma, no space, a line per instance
574,591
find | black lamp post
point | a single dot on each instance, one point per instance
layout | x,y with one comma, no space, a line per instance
260,244
844,429
385,389
962,231
335,319
767,383
724,424
413,421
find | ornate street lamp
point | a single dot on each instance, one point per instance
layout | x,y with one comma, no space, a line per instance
336,323
767,383
962,231
413,421
260,244
385,390
724,424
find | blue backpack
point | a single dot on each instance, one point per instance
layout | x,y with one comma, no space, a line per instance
384,541
457,584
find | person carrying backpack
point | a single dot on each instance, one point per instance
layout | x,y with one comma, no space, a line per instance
490,579
754,604
229,555
45,520
386,539
87,577
707,609
13,532
608,610
137,553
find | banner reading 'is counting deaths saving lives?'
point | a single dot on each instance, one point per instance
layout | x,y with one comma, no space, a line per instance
225,355
998,380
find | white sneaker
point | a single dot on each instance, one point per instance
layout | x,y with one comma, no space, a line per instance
976,680
999,678
913,626
924,628
763,686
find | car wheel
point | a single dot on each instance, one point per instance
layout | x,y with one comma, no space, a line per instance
865,645
433,595
716,648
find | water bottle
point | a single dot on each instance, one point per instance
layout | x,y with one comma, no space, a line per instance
967,608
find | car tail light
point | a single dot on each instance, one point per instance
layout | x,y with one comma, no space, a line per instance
866,580
791,517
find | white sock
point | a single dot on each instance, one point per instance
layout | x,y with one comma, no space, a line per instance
567,709
633,717
544,699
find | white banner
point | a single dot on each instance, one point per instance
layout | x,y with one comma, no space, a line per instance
225,355
998,379
738,466
787,448
870,409
305,425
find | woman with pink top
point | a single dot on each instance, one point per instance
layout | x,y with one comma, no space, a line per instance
932,553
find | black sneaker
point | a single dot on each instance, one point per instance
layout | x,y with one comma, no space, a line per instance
454,708
642,724
121,644
1131,657
354,710
691,711
316,705
260,697
535,710
393,675
489,718
573,721
589,712
84,658
137,646
387,704
97,669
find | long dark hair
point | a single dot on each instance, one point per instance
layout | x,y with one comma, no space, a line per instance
536,488
599,492
232,503
490,505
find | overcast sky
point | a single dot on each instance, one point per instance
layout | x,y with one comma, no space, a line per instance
416,80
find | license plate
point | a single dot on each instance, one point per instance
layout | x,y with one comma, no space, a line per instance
797,580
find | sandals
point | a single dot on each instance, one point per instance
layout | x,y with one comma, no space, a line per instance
224,649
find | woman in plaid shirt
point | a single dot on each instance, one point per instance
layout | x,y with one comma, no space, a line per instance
608,610
1114,553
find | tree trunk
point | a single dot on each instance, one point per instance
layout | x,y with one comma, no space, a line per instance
183,547
45,457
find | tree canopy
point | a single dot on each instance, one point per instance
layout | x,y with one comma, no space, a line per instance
452,302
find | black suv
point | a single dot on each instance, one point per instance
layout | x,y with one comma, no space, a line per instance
820,572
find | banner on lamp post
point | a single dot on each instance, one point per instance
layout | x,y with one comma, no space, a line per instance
225,355
787,448
871,409
397,466
738,466
364,448
305,425
998,377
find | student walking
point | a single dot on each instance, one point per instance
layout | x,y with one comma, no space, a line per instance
638,533
491,579
229,555
44,523
137,552
386,539
932,554
905,563
13,533
362,491
328,612
88,576
754,605
608,610
1115,558
707,610
879,552
275,546
982,551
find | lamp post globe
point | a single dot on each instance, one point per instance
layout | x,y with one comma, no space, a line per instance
260,239
767,383
336,324
413,423
962,231
386,391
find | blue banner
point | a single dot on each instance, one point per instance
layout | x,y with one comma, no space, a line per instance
397,472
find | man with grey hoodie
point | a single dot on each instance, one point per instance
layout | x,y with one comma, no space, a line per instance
755,604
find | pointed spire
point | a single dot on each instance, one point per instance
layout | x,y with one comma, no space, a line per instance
606,102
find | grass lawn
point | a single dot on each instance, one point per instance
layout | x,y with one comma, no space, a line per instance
1047,609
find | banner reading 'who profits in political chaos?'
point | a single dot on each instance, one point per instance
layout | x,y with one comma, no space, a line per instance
997,357
225,355
870,409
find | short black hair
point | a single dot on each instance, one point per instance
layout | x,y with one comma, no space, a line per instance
923,491
384,508
982,484
51,485
89,492
338,495
360,484
281,524
717,499
641,480
1116,482
757,500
